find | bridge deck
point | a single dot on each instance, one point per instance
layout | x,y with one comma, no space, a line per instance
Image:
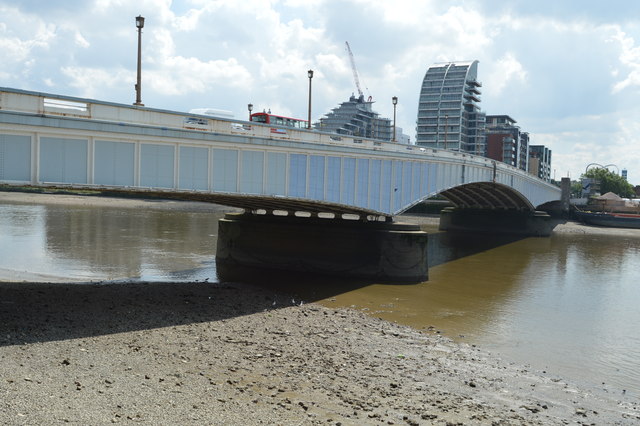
57,140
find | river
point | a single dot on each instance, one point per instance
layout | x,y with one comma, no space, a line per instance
566,305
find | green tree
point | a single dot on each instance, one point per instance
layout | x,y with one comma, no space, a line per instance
576,189
611,182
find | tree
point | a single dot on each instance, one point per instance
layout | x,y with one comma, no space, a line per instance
576,189
610,182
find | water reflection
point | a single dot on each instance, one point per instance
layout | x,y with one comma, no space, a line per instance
83,243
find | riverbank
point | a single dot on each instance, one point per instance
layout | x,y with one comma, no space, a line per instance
230,353
203,353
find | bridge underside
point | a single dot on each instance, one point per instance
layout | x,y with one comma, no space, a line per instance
250,203
487,195
292,206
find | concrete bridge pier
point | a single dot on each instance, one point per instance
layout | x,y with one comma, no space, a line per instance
527,223
380,251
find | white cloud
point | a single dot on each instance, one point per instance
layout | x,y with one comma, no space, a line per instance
507,70
81,41
91,83
179,76
629,58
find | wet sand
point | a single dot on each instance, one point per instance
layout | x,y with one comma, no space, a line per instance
231,353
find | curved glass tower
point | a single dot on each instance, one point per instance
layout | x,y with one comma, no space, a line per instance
448,113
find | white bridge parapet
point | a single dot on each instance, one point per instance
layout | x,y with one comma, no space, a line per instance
58,140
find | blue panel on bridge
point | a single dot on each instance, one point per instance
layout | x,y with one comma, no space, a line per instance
433,178
348,181
362,199
225,170
15,158
316,177
194,168
386,187
276,174
406,183
63,160
397,185
297,175
252,172
415,182
374,185
334,173
114,163
156,165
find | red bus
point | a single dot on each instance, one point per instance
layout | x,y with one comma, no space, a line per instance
264,117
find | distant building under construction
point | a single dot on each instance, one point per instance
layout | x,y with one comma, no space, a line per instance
356,118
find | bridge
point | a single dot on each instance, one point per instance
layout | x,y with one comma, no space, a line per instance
270,171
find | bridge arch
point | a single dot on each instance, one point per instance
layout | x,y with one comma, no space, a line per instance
487,195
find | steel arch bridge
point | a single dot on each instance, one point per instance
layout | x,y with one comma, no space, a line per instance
53,140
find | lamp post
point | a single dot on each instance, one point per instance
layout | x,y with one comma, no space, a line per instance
140,26
394,100
250,107
310,74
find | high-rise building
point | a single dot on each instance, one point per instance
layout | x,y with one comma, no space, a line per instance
540,162
449,116
356,118
506,142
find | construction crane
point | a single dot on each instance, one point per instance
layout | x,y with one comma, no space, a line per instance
355,72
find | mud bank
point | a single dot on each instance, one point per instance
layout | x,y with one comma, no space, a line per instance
204,353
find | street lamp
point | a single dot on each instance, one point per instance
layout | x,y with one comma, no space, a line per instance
140,26
310,73
394,100
250,107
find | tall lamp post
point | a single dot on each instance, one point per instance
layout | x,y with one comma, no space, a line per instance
394,100
250,107
310,73
140,26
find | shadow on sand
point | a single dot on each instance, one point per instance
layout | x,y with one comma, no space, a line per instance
40,312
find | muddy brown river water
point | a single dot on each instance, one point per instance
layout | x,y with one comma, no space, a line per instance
567,304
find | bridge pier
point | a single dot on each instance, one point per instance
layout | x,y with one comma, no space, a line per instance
527,223
381,251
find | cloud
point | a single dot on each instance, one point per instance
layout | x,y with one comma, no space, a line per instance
23,36
92,82
629,58
180,76
505,72
81,41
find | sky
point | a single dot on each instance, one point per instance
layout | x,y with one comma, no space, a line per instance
567,71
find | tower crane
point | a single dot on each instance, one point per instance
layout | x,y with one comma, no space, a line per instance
355,72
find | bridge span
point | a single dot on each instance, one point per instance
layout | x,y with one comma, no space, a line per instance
54,140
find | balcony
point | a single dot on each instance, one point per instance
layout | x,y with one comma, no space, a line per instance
471,96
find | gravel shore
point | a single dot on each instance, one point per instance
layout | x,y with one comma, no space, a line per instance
232,354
